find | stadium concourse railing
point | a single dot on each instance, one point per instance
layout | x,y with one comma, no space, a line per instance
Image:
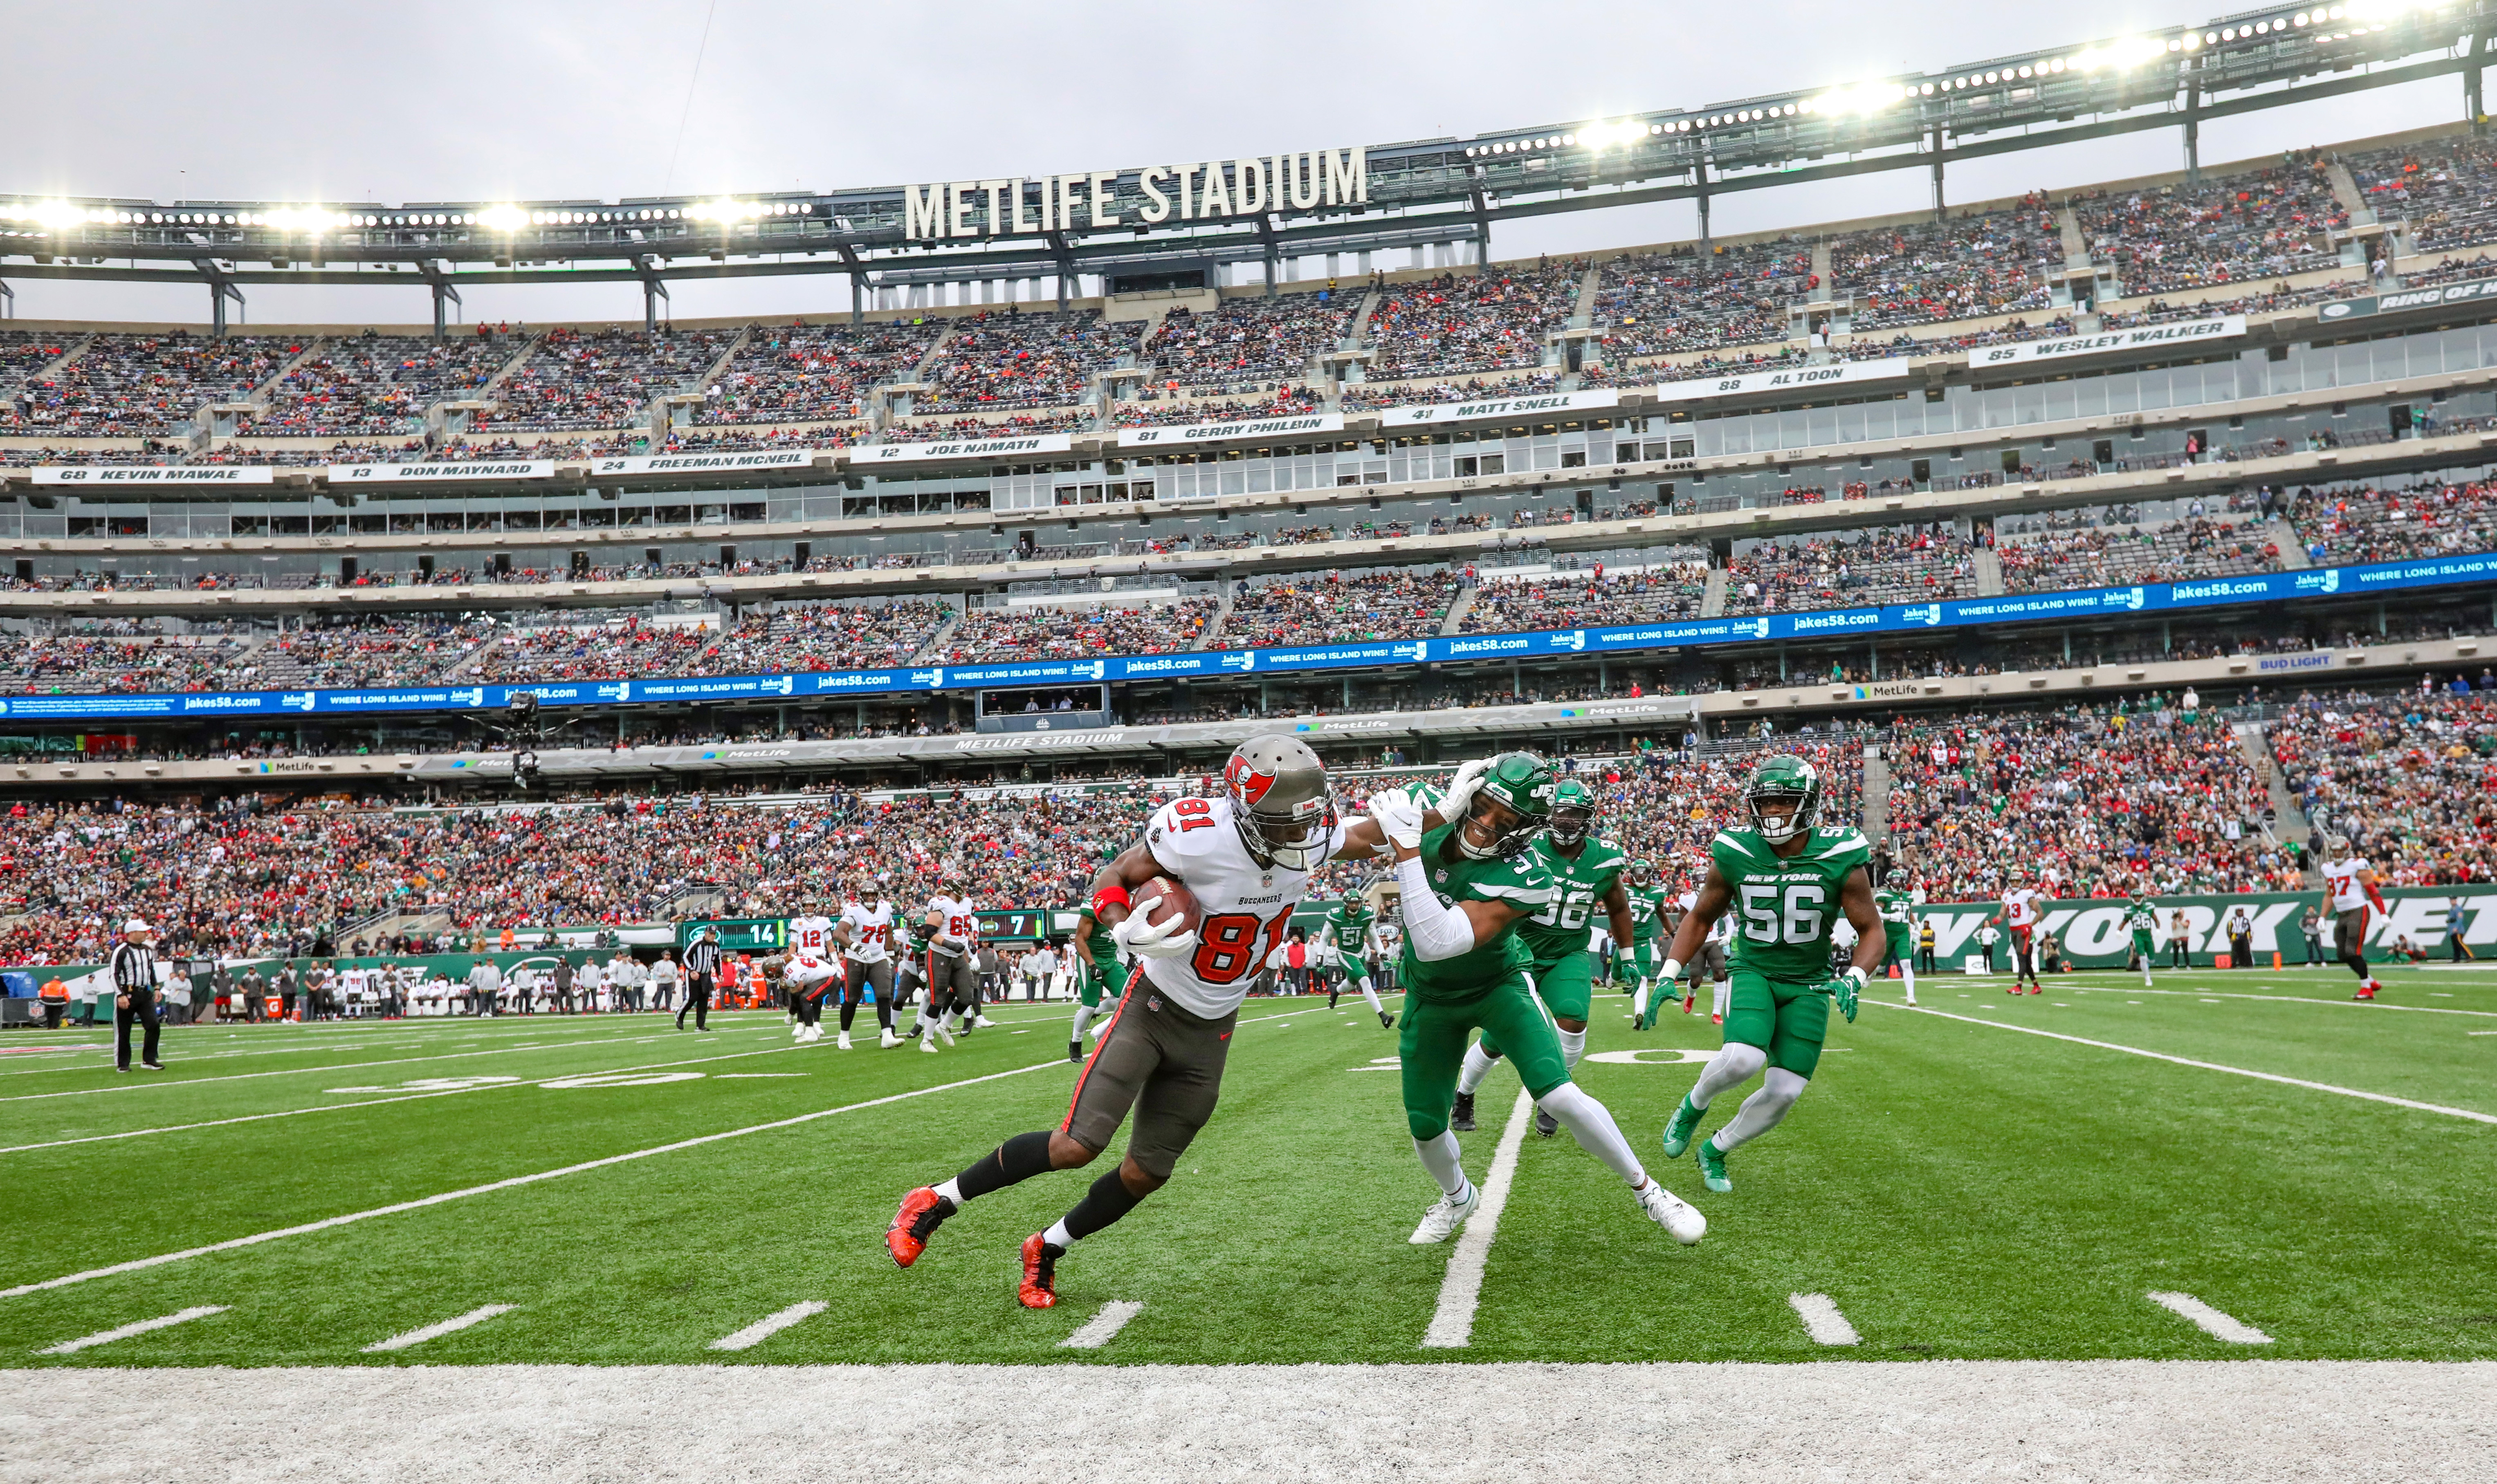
1787,705
2211,477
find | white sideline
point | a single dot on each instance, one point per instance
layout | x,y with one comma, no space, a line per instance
2210,1321
2207,1066
141,1327
299,1071
403,1097
1103,1327
1452,1324
768,1325
1821,1318
140,1263
2293,1000
436,1330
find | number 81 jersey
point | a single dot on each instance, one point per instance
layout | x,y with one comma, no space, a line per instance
1784,907
1246,906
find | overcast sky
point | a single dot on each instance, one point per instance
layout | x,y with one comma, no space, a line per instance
463,102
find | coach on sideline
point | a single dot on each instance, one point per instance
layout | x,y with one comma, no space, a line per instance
702,960
134,994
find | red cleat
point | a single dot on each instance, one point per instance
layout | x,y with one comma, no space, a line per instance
2036,988
922,1210
1690,1003
1039,1289
1716,1020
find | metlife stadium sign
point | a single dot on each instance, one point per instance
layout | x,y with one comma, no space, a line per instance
802,686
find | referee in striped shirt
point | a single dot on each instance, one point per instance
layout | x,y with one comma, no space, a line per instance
134,996
702,960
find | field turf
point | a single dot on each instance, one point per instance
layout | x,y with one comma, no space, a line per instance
1954,1188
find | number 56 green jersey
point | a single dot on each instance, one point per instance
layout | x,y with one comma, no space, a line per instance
1784,907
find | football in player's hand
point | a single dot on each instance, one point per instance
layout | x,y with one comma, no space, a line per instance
1158,900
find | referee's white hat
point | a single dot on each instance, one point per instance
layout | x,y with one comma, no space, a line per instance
135,925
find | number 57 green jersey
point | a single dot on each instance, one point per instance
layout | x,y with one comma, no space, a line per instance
1784,906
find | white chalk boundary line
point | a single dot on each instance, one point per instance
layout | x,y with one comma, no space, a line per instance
2210,1321
1821,1318
2207,1066
158,1084
513,1183
1103,1327
1452,1324
476,1315
124,1332
2290,999
768,1325
403,1097
138,1264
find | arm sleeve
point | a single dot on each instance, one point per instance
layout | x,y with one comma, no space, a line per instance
1436,931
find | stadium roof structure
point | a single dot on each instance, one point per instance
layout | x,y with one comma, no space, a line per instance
1376,196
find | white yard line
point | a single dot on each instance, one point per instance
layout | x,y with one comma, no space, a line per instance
139,1264
2210,1321
2294,999
437,1330
768,1326
1821,1318
159,1084
2207,1066
141,1326
1103,1327
407,1098
1452,1324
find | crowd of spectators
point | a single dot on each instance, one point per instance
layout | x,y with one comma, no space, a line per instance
996,361
1459,324
1365,396
1333,609
374,385
995,635
1289,401
2446,189
2260,225
805,372
1509,604
377,650
1654,303
2411,780
2088,800
2121,555
2365,524
1990,264
1900,566
1248,339
128,665
142,385
575,380
790,637
1018,426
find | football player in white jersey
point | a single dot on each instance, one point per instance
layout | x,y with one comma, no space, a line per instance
1246,856
2351,885
865,933
952,964
810,969
1709,961
2020,914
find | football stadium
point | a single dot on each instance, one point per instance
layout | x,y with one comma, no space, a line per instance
1613,716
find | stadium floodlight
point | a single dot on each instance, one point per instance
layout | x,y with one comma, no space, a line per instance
1860,98
1603,135
505,219
724,211
310,220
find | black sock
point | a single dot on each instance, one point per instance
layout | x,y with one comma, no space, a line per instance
1010,1164
1105,1203
849,1012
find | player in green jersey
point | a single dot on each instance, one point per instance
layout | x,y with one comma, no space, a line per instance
1585,873
1097,976
1787,881
1463,890
1648,902
1897,909
2144,918
1348,923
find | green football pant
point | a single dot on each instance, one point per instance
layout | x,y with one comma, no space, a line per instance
1786,1020
1431,1044
1565,987
1093,985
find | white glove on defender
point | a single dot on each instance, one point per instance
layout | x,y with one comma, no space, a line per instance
1399,818
1460,795
1163,940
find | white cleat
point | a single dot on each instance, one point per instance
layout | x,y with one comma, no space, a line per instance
1097,1027
1441,1221
844,1042
797,1033
889,1040
928,1044
1679,1219
946,1031
982,1020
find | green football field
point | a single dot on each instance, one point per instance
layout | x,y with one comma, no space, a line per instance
1975,1179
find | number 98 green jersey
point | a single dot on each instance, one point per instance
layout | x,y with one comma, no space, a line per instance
1784,907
